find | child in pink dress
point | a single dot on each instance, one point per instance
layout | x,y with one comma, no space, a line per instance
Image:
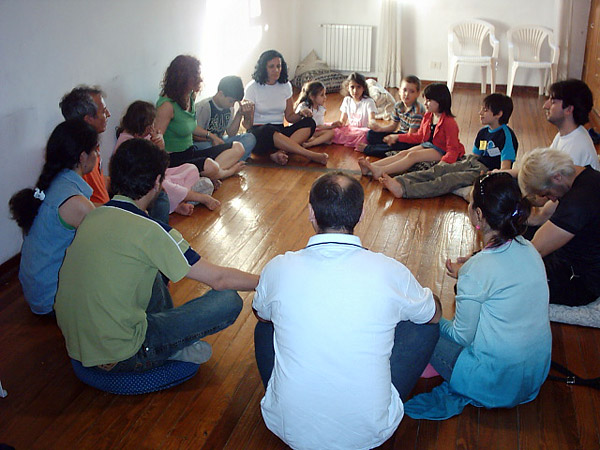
357,112
183,183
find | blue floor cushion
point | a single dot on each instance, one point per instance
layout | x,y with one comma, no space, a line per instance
169,374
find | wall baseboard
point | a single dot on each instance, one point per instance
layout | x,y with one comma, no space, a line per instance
9,268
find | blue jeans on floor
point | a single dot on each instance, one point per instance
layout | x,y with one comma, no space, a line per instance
247,140
444,357
413,346
171,329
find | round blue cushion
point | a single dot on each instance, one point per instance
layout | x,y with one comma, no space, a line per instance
169,374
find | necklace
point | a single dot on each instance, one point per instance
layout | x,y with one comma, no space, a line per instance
338,243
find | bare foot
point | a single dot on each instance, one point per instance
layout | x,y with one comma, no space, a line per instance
185,209
225,173
279,157
392,185
364,166
210,202
216,183
308,144
321,158
360,148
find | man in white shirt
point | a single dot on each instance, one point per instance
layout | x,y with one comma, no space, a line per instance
568,108
343,334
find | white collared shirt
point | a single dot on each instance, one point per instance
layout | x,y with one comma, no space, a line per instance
335,306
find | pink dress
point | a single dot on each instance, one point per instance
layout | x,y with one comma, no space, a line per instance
178,180
358,121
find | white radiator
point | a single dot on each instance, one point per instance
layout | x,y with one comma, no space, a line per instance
347,47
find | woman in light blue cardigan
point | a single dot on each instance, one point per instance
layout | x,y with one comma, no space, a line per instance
496,351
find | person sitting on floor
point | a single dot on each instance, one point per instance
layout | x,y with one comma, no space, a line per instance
50,213
436,140
176,121
343,332
87,103
270,97
496,351
218,115
183,184
407,117
112,305
495,148
568,239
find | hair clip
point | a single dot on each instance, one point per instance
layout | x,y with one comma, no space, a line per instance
39,194
515,212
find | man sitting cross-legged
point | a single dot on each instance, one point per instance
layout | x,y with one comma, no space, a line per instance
112,305
341,338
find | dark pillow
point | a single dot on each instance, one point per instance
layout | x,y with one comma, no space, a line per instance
331,79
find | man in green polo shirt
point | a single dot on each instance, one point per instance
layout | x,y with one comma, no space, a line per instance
112,304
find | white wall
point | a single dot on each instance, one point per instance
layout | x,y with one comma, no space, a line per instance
425,24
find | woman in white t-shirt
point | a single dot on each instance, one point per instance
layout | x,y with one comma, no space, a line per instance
271,94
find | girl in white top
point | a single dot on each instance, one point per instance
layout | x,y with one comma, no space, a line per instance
357,113
271,97
312,99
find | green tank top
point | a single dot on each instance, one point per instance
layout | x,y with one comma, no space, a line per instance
178,135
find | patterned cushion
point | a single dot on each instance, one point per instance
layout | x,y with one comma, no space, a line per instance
169,374
331,79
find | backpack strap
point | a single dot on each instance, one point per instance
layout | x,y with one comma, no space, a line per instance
571,378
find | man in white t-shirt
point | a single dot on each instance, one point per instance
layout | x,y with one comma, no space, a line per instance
343,333
568,108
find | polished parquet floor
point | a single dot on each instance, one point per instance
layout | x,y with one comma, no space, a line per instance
263,214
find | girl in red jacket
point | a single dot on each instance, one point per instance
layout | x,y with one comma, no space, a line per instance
436,140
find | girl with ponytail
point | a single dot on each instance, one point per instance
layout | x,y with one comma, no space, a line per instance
50,213
495,352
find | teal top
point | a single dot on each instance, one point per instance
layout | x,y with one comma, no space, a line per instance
502,322
178,135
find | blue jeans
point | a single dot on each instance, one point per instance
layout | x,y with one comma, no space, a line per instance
413,346
444,357
247,140
159,209
171,329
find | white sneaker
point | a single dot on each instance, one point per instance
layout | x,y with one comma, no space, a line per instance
199,352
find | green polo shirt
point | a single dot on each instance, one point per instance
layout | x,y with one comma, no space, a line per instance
106,280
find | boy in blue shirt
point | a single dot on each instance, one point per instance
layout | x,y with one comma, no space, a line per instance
495,148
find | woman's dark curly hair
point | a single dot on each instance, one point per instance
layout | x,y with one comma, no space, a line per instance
66,144
176,82
260,70
139,116
503,207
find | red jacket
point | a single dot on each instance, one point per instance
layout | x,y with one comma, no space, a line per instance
445,136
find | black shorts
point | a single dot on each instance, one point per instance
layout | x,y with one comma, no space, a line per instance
264,134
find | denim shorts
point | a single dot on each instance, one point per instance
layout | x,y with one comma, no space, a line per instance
435,147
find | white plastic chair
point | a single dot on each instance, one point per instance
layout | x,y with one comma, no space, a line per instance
525,43
466,46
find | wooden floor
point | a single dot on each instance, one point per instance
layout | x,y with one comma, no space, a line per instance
264,213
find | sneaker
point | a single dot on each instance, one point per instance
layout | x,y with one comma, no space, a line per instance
199,352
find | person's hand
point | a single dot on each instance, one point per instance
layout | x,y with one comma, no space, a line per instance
374,126
452,267
390,139
216,140
336,124
157,138
306,112
247,107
